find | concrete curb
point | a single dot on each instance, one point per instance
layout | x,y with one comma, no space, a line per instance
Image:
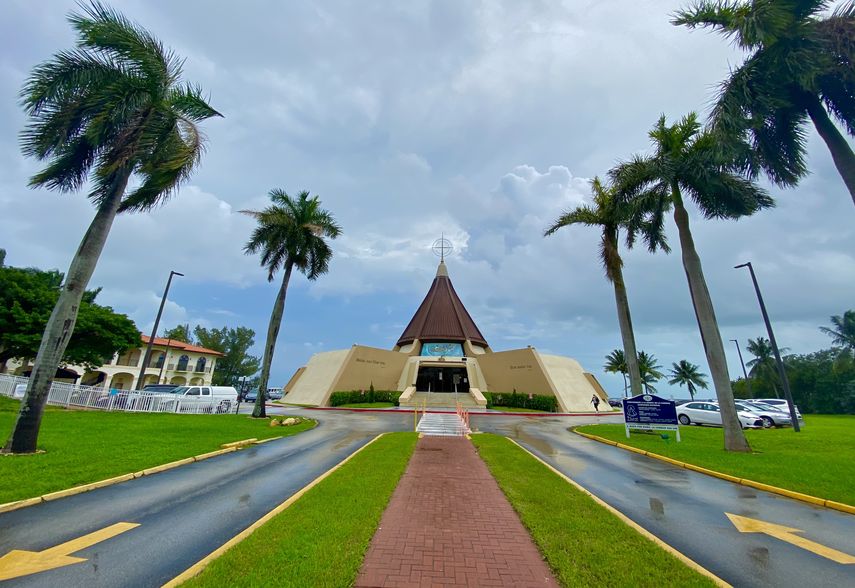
736,480
689,562
203,563
228,448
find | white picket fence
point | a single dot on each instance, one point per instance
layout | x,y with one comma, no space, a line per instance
93,397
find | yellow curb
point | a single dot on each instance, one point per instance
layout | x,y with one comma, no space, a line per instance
86,487
266,440
784,492
631,448
167,466
840,506
713,473
15,505
10,506
203,563
242,443
638,528
807,498
214,453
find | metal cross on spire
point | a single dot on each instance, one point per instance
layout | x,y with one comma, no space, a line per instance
441,247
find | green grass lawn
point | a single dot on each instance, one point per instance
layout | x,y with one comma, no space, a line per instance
87,446
368,405
583,543
817,461
322,538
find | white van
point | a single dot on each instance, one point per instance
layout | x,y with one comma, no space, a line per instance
204,398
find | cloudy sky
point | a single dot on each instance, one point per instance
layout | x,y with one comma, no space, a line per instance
482,120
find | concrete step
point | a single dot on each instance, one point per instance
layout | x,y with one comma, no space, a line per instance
447,425
441,400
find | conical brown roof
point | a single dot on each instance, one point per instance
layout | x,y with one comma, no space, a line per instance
441,316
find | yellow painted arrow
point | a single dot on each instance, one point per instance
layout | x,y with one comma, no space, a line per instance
18,563
788,534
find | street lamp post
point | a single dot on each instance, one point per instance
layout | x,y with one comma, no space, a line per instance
781,371
147,356
744,373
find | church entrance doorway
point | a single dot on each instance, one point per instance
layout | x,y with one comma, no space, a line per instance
442,379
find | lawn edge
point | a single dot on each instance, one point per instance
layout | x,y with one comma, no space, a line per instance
203,563
814,500
26,502
689,562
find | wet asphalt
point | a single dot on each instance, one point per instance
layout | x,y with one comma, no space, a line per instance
186,513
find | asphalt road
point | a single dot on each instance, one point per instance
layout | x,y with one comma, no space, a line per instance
687,509
186,513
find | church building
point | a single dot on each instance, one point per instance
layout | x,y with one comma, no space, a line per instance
442,355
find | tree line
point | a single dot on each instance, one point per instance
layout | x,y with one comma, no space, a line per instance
821,382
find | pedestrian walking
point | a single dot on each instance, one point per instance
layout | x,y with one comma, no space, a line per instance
595,400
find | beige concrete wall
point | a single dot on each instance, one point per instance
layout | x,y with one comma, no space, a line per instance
572,386
370,365
313,386
290,385
504,371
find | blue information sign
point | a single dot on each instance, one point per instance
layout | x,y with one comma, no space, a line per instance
647,411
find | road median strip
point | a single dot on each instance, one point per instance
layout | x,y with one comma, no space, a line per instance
203,563
807,498
26,502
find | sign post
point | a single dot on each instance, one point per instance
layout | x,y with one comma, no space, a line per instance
647,412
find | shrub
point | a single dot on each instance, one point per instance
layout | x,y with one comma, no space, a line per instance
516,400
359,396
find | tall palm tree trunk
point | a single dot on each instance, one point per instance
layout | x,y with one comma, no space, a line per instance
626,332
841,152
270,345
60,325
734,438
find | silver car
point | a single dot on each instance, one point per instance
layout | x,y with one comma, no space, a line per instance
708,413
772,417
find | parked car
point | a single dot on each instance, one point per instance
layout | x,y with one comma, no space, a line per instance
708,413
204,398
159,388
772,417
780,404
253,394
616,402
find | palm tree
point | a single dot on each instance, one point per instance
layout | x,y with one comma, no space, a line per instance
764,366
843,333
688,161
290,233
649,367
800,67
689,375
608,214
616,364
111,108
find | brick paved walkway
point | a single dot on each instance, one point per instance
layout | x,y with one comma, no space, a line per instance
448,524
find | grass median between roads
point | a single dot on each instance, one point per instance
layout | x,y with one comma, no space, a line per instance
583,543
817,461
321,539
88,446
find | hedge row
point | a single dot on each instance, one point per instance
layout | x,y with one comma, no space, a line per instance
517,400
360,396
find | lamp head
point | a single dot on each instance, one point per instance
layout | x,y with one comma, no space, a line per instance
742,265
177,273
